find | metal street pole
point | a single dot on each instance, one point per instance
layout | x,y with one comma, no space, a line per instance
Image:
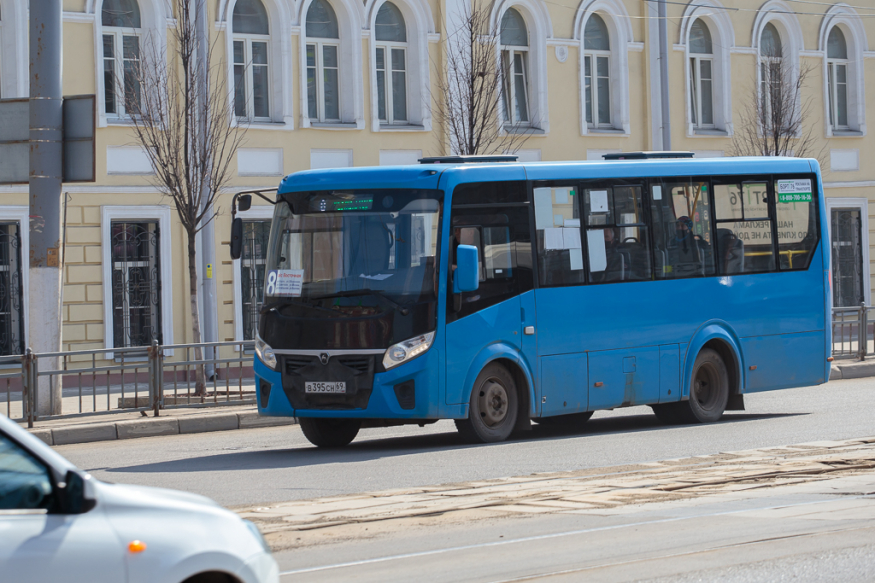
46,148
663,76
208,233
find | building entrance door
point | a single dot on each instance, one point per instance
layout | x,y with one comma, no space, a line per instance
847,257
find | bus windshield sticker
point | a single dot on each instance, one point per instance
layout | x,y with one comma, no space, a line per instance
570,238
543,208
598,259
561,195
798,190
572,223
576,259
598,201
558,220
553,239
284,283
657,193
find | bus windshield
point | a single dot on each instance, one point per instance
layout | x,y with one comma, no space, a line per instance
354,243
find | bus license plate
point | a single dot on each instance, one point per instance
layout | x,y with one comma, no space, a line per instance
335,387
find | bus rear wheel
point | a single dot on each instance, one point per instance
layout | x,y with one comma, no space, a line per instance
330,432
709,390
492,410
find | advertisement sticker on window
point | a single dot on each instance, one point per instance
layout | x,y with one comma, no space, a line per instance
797,190
284,283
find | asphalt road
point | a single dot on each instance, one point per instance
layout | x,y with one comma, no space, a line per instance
248,467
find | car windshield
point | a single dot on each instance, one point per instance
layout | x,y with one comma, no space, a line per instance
351,243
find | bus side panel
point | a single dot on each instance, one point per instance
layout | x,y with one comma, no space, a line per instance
622,378
783,361
565,376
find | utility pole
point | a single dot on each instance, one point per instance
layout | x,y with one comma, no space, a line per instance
46,171
208,233
663,76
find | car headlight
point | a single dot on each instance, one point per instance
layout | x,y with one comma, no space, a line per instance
404,351
257,534
265,352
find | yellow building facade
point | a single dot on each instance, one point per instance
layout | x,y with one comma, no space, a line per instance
328,83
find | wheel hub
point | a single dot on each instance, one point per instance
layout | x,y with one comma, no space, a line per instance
493,402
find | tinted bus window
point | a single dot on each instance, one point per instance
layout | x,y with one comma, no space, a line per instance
744,230
682,240
796,208
616,235
557,224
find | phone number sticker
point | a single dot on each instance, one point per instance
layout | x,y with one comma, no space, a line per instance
284,283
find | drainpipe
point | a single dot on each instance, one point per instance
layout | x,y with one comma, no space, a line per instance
663,76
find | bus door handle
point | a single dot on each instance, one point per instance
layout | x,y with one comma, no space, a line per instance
529,330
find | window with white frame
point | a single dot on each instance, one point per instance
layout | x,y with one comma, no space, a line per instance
11,289
323,64
120,21
391,65
252,262
837,78
701,76
771,71
251,30
514,68
136,283
597,73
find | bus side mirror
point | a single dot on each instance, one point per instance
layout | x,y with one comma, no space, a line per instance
244,202
236,238
467,275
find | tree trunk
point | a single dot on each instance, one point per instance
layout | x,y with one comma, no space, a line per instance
200,380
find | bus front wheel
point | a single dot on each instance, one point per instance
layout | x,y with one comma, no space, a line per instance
493,407
330,432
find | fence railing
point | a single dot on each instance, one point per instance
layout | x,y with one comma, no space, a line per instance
112,380
852,332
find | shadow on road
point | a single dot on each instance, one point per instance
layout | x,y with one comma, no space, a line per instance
371,447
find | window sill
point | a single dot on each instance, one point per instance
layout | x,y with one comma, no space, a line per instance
605,131
522,130
319,125
710,132
262,124
119,121
847,134
388,127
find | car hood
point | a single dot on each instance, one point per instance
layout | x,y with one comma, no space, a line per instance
145,497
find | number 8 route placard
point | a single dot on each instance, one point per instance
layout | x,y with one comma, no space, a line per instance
284,282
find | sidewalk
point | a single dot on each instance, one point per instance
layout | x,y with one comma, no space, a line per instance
848,368
128,425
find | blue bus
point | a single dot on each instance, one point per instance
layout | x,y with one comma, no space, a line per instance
498,293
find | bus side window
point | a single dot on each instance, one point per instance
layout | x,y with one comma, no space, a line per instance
557,226
616,234
682,239
796,206
744,230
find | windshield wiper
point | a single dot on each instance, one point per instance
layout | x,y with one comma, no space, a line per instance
366,292
287,302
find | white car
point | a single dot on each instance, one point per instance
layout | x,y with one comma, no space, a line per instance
57,523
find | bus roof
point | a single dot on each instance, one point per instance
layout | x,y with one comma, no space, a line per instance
427,176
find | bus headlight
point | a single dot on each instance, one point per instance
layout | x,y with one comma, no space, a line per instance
265,352
404,351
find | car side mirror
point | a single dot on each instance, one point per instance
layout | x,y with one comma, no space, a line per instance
236,238
76,497
466,278
244,202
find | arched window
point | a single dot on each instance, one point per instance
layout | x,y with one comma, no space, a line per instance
771,69
323,66
701,75
391,65
514,38
597,72
837,77
251,32
120,20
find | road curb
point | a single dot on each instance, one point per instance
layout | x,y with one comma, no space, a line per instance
156,427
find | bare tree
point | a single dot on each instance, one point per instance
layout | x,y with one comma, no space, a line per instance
473,86
182,116
777,120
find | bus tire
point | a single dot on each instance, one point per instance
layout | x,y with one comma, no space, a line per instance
709,390
493,407
329,432
564,421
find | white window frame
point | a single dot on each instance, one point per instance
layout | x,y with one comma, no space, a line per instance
695,73
593,57
21,215
255,213
161,214
14,81
764,78
863,205
387,47
509,52
320,79
248,78
118,34
832,66
854,30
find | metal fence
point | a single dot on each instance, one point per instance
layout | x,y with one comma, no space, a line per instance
851,332
112,380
